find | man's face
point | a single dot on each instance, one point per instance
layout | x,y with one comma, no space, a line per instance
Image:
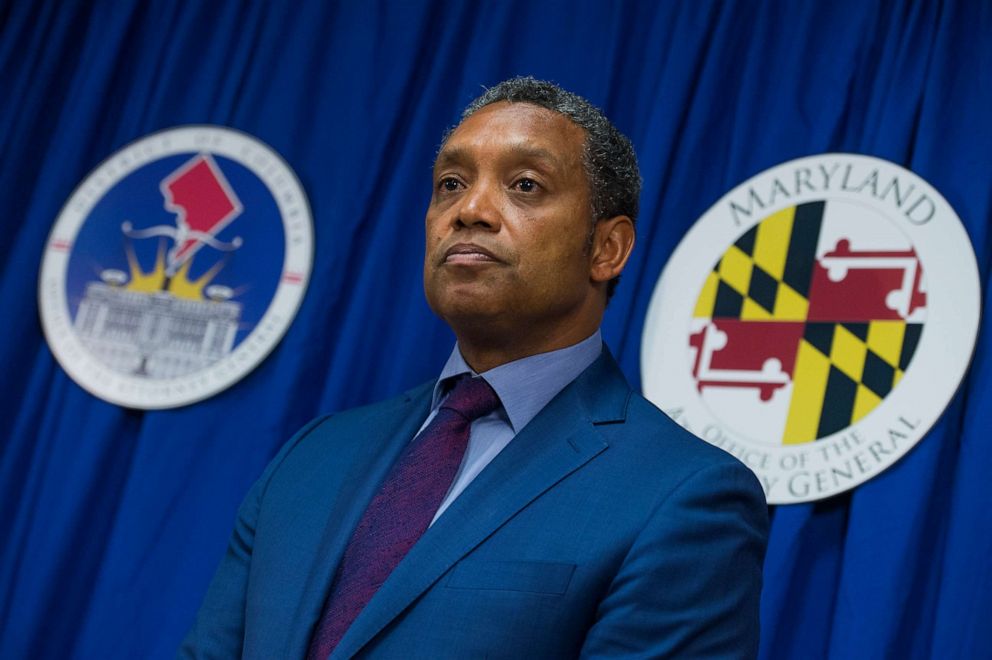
508,224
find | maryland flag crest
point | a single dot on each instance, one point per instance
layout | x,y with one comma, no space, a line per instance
815,322
819,331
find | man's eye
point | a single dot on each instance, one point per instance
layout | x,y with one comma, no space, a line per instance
448,184
525,185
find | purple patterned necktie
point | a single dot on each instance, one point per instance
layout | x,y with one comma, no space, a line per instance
401,510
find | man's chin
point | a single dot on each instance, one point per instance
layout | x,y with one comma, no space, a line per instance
463,293
469,307
469,310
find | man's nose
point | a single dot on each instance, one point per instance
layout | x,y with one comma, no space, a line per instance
480,207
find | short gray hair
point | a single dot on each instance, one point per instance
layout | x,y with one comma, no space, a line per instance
608,155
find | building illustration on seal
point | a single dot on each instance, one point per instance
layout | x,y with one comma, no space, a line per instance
155,335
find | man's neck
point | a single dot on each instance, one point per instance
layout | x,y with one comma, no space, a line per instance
484,351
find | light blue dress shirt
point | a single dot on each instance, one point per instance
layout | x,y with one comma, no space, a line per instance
524,387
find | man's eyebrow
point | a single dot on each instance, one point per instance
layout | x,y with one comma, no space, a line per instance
456,154
451,155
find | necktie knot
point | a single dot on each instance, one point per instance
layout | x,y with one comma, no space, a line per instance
472,398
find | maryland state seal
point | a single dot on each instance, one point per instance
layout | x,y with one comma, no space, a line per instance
175,267
815,322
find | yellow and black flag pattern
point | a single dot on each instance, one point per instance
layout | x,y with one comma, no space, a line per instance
846,361
843,371
765,274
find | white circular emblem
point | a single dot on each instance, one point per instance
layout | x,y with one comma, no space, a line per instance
815,322
175,267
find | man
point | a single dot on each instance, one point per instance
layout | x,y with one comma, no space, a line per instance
542,510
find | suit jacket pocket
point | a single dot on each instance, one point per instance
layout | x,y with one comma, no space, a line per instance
539,577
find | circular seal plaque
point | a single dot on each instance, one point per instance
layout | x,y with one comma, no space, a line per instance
815,322
175,267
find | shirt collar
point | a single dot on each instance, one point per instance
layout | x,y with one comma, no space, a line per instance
526,385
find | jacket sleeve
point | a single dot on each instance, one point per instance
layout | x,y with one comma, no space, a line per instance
219,628
690,584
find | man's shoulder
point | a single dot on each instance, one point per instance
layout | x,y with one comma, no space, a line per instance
361,415
347,434
641,434
653,438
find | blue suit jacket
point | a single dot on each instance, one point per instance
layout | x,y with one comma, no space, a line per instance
603,529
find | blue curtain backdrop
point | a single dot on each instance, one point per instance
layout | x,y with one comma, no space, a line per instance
112,520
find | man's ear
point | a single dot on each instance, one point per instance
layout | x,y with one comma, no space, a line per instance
612,242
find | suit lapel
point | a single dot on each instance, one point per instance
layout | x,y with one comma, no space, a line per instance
384,433
559,440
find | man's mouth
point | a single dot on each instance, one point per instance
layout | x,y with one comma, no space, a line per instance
468,254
